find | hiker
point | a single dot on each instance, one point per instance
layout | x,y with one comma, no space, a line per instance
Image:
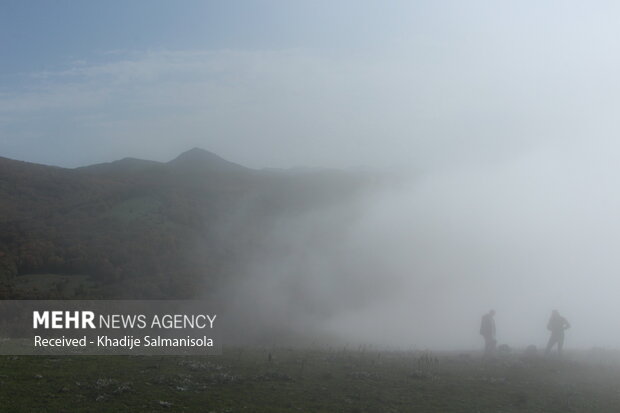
487,330
557,324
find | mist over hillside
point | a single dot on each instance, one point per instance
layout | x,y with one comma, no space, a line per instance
145,229
327,255
415,265
401,206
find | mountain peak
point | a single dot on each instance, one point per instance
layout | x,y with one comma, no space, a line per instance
196,154
203,159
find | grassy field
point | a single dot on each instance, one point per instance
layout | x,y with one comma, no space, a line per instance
293,380
66,286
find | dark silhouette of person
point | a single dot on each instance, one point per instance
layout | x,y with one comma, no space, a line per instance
557,324
487,330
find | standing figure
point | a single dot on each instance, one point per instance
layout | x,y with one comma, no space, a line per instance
557,324
487,330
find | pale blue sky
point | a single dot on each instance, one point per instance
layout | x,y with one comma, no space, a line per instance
46,35
319,83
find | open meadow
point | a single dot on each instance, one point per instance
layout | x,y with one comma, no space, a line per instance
312,380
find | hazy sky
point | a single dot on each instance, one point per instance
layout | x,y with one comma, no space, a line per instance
280,83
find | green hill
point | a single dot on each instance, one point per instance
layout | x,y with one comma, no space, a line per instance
145,229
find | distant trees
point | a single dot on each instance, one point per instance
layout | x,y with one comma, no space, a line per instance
144,233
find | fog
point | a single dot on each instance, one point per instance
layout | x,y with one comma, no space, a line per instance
415,264
497,120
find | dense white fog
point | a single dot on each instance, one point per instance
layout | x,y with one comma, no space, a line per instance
415,265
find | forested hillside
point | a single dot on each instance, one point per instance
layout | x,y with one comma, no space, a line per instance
136,228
